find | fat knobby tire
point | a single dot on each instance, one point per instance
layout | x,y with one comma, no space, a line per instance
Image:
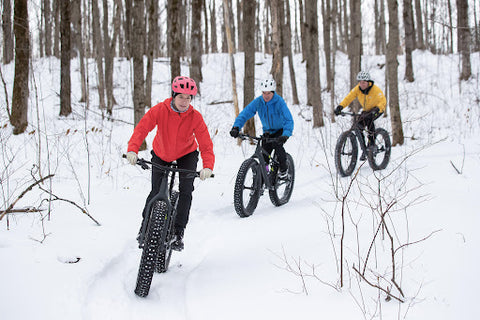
165,249
283,188
150,249
382,149
346,137
252,182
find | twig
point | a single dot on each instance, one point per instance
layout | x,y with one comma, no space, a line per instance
378,287
414,242
10,207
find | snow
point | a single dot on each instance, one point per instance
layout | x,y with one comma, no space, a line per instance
281,262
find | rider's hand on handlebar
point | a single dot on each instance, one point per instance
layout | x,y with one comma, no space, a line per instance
338,110
205,173
234,132
132,157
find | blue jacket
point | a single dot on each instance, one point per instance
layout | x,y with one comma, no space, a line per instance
273,114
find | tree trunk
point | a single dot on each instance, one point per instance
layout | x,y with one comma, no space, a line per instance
303,31
267,39
409,39
196,43
127,28
277,45
314,93
379,27
8,45
249,7
239,25
419,23
205,16
65,81
174,33
47,18
56,28
287,40
98,45
151,44
463,34
20,93
327,21
137,54
392,69
228,33
77,45
108,50
355,43
213,28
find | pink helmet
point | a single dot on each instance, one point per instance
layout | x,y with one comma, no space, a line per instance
184,85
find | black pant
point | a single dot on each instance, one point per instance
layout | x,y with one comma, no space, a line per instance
279,150
185,187
366,120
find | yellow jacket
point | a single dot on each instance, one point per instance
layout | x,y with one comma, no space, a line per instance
373,98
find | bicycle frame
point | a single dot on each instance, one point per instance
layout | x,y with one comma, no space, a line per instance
259,154
357,131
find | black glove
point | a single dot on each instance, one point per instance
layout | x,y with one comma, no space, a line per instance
282,139
338,110
375,112
234,132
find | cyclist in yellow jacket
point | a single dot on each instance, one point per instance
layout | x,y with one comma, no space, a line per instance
371,99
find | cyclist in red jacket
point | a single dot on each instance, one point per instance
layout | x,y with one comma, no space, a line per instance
181,130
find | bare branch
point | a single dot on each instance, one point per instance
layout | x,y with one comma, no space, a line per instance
378,287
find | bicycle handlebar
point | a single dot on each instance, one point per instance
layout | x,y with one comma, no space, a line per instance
267,139
144,164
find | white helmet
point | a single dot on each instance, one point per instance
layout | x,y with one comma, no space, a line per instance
363,76
268,85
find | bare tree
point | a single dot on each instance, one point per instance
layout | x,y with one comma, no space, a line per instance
379,27
196,42
98,45
20,94
7,32
277,44
78,46
239,24
419,23
174,34
47,19
409,39
108,49
65,53
327,22
314,93
127,27
137,54
392,70
249,7
355,43
287,41
228,33
463,35
152,36
213,27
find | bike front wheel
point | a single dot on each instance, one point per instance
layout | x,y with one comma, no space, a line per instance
283,188
153,240
247,188
379,155
165,249
346,152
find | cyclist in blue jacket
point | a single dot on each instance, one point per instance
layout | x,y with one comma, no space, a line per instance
276,120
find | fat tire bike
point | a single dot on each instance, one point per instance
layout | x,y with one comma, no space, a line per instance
256,175
157,234
346,149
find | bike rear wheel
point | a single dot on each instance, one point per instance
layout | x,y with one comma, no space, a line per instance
154,238
379,155
247,188
346,152
283,188
165,249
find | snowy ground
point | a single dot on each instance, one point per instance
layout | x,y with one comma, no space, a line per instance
280,263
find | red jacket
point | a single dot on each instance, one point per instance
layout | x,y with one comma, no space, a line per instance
177,133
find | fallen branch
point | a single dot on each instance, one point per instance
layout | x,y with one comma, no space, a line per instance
10,207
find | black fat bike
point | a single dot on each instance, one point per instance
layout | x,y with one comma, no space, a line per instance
156,234
346,149
255,175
